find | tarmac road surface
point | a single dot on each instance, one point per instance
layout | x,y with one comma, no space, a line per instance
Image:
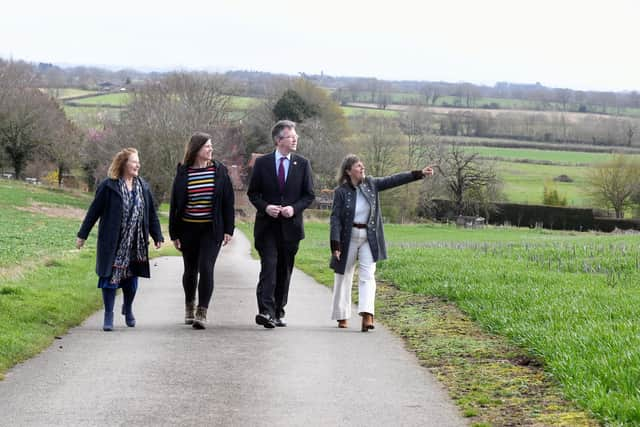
234,373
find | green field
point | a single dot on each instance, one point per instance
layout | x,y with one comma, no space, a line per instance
406,98
92,117
356,111
536,145
64,93
30,235
244,102
568,299
524,183
564,157
120,99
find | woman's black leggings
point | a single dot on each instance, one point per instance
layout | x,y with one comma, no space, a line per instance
199,253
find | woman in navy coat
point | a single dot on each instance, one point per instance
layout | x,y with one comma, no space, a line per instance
125,207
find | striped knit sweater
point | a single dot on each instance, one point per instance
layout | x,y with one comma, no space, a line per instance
201,186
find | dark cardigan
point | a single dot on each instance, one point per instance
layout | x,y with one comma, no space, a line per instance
223,203
344,209
107,206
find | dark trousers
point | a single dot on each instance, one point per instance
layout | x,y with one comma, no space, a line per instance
277,256
199,254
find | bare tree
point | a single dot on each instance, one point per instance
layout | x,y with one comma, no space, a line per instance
380,138
63,147
563,97
629,128
467,180
417,126
96,151
384,95
165,113
612,184
28,119
422,146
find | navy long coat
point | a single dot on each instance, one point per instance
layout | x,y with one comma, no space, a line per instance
107,206
344,209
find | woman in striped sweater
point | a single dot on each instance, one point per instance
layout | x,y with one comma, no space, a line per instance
201,220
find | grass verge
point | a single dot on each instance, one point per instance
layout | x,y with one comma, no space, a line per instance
46,285
45,303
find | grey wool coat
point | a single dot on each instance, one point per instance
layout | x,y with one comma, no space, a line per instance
344,209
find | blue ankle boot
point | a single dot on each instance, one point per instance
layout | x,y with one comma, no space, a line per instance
108,321
128,316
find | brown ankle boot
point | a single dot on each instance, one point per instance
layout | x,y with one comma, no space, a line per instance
200,322
342,323
370,325
189,313
367,322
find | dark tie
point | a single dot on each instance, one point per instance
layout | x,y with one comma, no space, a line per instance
281,174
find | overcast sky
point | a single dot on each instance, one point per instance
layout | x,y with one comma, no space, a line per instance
590,45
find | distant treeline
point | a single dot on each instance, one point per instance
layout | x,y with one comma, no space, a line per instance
381,92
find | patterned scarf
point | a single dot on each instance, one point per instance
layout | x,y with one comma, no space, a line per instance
131,244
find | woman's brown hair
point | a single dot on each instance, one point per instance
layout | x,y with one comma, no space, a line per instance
194,145
116,169
347,163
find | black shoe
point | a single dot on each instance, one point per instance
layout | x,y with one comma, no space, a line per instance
265,320
281,323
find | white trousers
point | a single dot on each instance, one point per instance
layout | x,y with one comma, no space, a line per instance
358,249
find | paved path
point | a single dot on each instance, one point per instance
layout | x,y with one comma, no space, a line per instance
235,373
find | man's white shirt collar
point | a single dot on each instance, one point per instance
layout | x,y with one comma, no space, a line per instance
279,155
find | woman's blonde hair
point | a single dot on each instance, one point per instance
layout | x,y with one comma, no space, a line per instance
116,169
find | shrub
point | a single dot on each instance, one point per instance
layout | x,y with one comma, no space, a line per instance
551,197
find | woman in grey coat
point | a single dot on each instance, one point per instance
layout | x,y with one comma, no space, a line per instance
356,233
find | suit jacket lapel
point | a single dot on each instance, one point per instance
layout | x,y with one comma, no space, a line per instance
271,169
293,169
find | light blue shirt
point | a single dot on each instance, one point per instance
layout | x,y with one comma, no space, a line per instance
286,163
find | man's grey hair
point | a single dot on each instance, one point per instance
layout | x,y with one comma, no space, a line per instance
276,130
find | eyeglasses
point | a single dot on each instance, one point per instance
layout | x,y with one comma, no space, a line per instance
288,136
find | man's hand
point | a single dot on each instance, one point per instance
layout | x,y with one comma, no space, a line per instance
157,245
79,243
337,255
227,239
273,210
287,211
177,244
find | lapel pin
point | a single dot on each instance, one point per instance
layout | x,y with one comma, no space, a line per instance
295,163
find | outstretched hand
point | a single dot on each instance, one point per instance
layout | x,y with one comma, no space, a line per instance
428,171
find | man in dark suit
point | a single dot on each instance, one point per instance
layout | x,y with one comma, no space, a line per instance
281,188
